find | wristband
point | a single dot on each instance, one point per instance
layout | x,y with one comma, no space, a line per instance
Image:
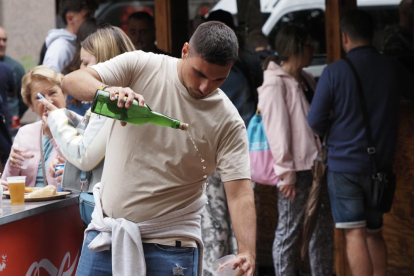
103,86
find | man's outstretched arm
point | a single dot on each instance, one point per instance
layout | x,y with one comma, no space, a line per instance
240,200
82,84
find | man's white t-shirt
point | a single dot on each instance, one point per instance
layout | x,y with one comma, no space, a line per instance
152,170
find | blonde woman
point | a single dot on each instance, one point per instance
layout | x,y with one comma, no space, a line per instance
35,140
84,146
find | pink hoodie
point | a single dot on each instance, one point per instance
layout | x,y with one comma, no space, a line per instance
284,108
30,135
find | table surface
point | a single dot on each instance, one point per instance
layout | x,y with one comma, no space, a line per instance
10,213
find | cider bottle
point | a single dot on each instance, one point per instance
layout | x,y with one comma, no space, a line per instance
135,114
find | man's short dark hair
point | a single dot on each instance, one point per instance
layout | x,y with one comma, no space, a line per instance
358,25
215,42
142,15
66,6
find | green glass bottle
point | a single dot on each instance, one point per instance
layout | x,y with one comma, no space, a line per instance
136,114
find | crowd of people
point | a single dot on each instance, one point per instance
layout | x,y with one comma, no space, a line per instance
156,195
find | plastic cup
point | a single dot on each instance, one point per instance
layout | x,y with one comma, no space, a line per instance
16,189
25,151
25,163
222,266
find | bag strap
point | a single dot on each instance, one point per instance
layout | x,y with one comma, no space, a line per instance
43,158
326,136
84,180
371,148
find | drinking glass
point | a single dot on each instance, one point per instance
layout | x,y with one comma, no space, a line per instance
16,189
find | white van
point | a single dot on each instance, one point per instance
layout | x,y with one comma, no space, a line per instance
311,15
266,6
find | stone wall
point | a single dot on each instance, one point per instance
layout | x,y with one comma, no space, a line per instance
27,23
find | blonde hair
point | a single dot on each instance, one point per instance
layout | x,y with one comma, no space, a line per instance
38,73
107,42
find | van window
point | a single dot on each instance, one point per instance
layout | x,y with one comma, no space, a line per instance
314,21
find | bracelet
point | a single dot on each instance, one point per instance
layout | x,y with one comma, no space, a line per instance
103,87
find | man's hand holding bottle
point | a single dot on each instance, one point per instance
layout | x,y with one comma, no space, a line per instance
122,93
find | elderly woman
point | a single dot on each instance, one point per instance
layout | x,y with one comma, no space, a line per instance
34,141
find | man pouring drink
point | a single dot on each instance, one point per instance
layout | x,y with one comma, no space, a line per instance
148,205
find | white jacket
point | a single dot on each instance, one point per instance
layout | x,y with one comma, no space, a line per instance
86,150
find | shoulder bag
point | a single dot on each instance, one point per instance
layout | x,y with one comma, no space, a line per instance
383,183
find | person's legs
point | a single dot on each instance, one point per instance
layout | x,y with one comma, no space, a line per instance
216,228
378,252
357,252
347,195
94,263
289,228
321,243
376,244
170,260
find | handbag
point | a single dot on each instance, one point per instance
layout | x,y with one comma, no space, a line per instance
77,180
86,207
383,183
261,158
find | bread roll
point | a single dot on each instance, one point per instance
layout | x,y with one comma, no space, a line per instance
49,190
28,190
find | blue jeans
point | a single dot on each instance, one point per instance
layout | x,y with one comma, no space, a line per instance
349,201
161,260
86,207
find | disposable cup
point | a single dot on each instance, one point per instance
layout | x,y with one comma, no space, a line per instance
26,151
25,163
223,266
16,189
